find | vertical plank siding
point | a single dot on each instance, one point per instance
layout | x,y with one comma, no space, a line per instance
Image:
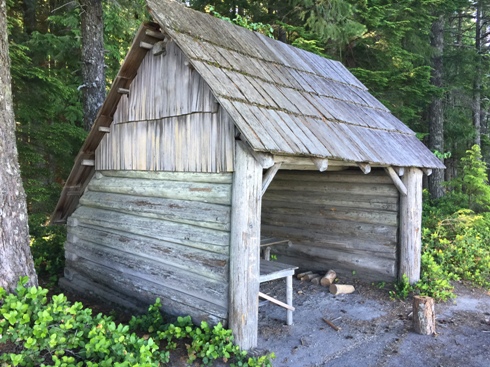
345,221
154,234
170,121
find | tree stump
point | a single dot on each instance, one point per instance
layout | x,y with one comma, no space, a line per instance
424,317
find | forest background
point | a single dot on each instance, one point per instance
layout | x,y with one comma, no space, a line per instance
428,61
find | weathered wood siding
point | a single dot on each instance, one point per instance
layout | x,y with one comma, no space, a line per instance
169,121
346,221
144,235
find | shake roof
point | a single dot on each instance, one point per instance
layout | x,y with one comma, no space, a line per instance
285,100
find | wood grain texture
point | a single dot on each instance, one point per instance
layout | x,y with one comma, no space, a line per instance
411,225
169,240
245,248
335,220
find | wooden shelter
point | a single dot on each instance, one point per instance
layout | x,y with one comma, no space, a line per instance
213,136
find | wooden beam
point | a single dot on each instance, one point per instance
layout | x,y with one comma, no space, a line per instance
400,171
104,129
155,34
427,171
159,48
365,167
266,160
268,176
88,162
320,163
146,45
411,226
396,180
277,302
245,247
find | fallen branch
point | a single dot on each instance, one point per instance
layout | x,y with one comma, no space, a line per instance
329,323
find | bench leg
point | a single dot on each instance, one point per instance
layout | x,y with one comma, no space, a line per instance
267,253
289,298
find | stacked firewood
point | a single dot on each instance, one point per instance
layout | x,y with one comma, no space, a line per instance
326,280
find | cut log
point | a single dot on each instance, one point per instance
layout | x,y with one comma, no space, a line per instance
328,278
341,288
309,277
301,275
316,280
424,317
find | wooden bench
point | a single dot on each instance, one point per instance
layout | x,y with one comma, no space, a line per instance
272,270
267,242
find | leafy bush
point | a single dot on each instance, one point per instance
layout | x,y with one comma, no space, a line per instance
456,232
47,247
460,245
58,333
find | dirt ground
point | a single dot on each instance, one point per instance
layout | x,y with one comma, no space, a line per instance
375,331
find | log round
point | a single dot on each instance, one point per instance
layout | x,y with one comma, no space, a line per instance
328,278
424,317
341,288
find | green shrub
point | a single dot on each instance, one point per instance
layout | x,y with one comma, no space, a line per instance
58,333
47,247
455,248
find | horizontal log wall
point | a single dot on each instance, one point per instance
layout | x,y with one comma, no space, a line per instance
169,121
346,221
141,235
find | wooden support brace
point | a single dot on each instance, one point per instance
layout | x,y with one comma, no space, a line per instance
146,45
396,181
122,91
268,176
104,129
277,302
320,163
365,167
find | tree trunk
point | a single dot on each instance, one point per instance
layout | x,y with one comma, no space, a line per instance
477,80
29,8
92,59
15,256
436,113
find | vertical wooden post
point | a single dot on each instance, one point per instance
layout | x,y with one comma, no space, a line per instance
289,298
411,225
245,248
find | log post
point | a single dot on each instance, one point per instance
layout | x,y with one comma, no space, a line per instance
245,248
410,225
424,317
